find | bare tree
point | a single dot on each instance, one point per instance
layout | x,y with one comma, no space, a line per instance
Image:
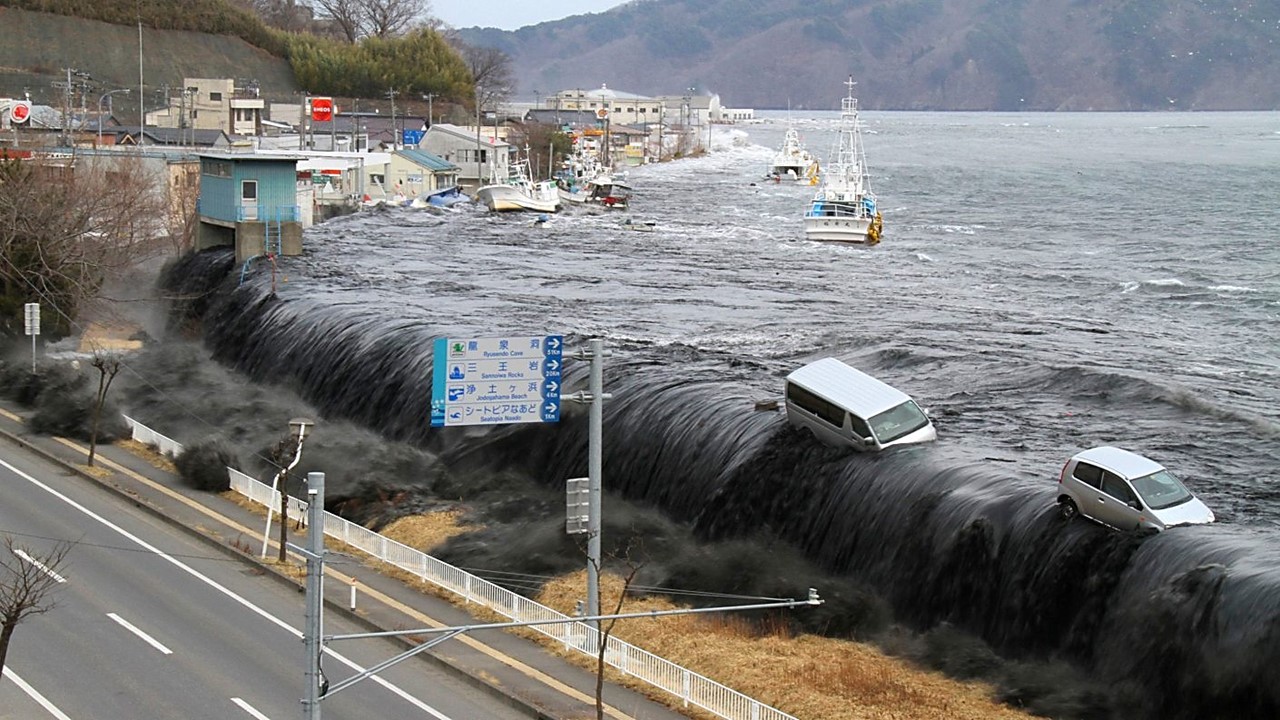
287,15
374,18
108,365
66,229
26,584
388,18
491,72
181,217
348,15
605,629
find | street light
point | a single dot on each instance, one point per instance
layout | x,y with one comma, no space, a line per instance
106,95
297,433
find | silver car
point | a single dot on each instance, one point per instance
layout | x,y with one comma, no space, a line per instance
1126,491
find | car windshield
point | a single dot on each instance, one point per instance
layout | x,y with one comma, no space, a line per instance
1161,490
898,422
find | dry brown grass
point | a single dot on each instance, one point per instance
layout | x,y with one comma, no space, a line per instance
148,453
95,470
807,676
429,531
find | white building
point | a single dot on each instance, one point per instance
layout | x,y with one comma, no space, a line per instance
212,104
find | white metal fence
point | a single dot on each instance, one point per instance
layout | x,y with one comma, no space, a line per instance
689,687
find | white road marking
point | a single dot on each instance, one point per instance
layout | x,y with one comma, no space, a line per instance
249,709
398,691
35,695
42,567
131,628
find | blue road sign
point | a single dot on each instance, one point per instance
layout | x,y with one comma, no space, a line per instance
413,137
496,381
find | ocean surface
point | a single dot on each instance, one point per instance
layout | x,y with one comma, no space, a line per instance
1046,283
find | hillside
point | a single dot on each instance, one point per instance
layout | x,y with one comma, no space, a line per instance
916,54
37,48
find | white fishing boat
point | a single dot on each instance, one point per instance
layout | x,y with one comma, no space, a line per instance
793,161
604,189
585,180
519,192
844,208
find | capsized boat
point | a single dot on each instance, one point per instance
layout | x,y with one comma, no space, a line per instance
793,161
519,192
604,189
844,208
585,180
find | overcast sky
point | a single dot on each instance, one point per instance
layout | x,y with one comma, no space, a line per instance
513,14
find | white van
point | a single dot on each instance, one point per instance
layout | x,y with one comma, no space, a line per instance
844,407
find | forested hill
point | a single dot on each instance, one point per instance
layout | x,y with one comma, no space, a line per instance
916,54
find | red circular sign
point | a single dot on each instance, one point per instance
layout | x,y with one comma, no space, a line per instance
322,109
20,111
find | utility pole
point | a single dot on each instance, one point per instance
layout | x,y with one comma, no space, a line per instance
317,685
65,87
142,97
395,136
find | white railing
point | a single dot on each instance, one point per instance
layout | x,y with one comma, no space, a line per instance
689,687
147,436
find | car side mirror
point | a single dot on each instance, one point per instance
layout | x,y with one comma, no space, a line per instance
868,442
1135,505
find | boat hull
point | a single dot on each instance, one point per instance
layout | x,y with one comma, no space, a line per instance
505,198
839,229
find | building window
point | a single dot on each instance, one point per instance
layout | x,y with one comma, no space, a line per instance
215,97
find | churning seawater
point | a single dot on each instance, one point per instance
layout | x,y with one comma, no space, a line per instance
1046,283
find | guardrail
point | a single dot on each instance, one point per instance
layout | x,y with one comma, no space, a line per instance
689,687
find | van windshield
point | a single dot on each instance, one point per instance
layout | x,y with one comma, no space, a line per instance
898,422
1161,490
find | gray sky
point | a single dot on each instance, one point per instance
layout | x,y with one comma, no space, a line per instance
513,14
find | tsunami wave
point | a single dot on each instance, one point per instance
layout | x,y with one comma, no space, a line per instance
1188,619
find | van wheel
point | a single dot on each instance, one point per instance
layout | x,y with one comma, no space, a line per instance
1067,509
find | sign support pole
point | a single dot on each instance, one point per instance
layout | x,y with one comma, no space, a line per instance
31,316
594,462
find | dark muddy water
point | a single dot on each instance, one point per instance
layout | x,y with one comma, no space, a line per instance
1046,283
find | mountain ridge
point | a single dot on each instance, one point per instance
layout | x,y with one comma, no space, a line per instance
1009,55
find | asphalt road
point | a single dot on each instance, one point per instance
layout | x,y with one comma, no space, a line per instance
151,623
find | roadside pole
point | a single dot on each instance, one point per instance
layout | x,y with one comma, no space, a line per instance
596,396
32,317
315,596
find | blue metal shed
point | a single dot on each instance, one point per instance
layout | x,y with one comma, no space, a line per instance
250,200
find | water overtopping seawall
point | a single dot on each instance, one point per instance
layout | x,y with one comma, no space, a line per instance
1186,620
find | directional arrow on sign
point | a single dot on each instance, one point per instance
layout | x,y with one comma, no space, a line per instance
552,387
553,364
553,343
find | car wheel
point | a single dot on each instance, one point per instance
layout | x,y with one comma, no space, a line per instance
1067,508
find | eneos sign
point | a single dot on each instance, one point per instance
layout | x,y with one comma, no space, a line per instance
20,112
322,109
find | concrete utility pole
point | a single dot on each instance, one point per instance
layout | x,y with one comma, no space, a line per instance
395,136
317,685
